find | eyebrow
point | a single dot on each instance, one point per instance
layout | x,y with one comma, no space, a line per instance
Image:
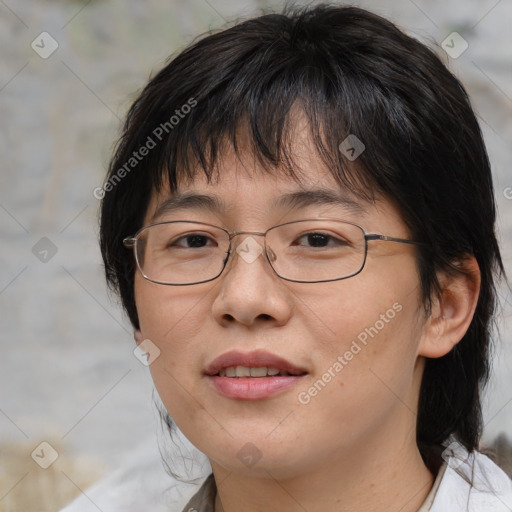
292,200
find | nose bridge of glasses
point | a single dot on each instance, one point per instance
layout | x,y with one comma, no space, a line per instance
242,251
241,241
236,233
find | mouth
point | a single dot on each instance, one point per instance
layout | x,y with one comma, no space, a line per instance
252,376
237,372
257,364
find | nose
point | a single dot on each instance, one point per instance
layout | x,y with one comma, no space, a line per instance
250,292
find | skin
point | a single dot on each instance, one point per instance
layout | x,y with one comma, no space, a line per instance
352,447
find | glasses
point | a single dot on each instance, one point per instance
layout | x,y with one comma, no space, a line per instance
305,251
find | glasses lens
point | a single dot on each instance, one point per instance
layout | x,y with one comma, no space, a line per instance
317,250
181,252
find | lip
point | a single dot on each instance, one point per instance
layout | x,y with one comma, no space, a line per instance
253,359
252,388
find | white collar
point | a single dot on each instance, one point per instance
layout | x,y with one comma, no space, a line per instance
473,483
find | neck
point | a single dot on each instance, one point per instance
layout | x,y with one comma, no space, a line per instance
370,478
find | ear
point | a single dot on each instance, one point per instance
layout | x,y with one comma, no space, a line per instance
137,335
453,310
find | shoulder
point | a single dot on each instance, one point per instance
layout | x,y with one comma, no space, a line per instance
472,482
143,484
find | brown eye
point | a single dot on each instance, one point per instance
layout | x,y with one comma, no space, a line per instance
191,241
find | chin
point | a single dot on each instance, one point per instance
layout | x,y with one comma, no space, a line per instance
260,458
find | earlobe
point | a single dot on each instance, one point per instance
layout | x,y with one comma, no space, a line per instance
452,312
137,336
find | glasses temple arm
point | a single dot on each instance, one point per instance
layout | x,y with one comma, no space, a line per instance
372,236
129,241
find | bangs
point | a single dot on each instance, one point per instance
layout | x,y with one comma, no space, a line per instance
270,131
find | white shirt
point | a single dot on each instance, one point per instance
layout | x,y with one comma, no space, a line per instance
465,483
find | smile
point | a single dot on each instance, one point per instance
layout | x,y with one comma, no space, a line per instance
256,375
245,371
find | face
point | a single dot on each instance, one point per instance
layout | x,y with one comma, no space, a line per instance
353,341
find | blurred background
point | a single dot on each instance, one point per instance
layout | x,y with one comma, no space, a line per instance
69,70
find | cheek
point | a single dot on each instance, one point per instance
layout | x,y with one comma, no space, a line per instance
169,319
371,331
362,311
364,378
166,312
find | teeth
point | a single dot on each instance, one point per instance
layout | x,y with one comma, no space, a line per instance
244,371
259,372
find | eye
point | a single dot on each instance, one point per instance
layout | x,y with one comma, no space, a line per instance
318,239
191,240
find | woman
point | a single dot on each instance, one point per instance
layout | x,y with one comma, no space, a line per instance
299,219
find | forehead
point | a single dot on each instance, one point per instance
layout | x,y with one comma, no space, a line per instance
240,181
239,186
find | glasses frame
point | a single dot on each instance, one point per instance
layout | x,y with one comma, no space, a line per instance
131,242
